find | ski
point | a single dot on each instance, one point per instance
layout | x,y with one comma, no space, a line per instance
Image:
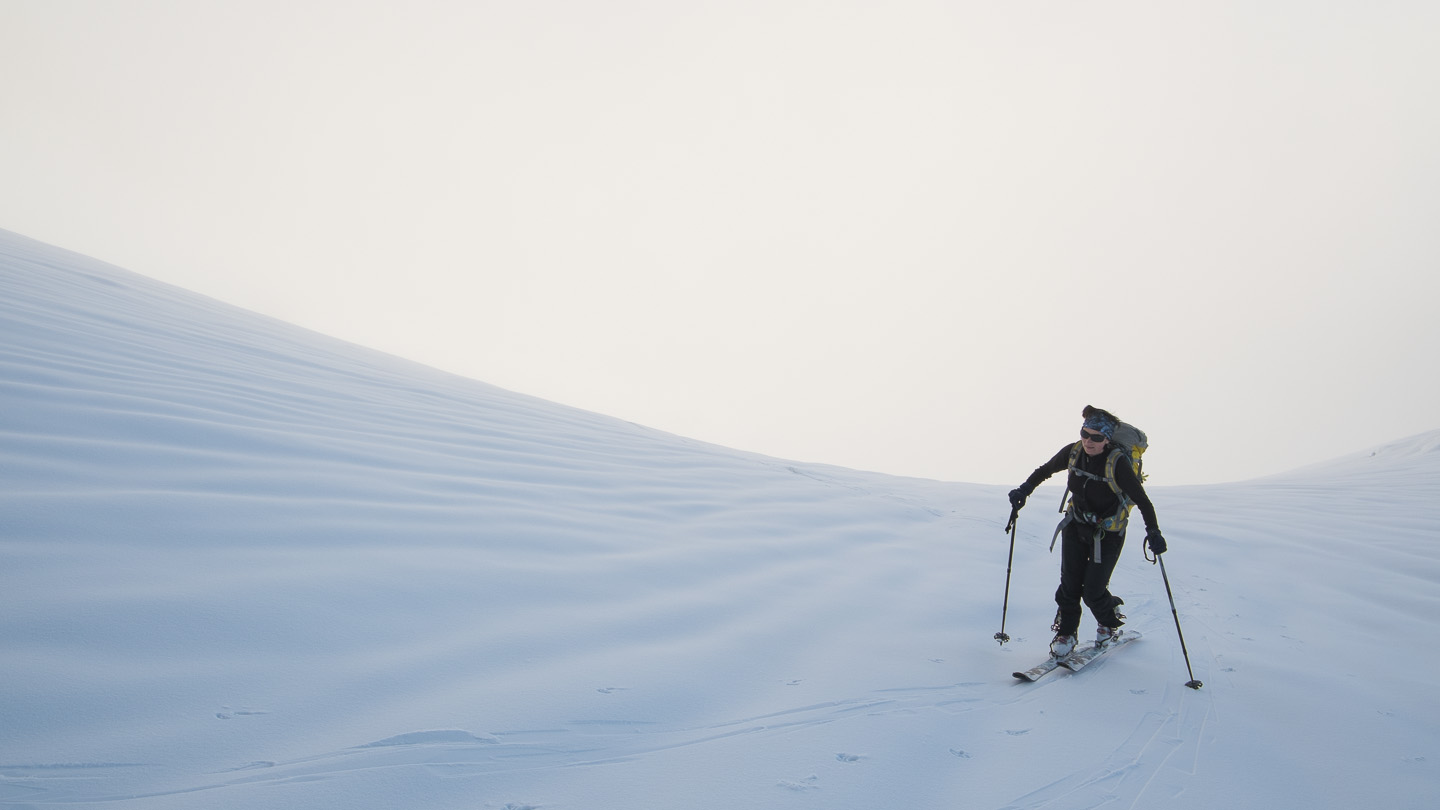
1038,671
1075,660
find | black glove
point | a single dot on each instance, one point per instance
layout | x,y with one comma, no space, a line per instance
1017,498
1156,541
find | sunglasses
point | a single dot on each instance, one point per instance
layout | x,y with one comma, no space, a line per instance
1091,437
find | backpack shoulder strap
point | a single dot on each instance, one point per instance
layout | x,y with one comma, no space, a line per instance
1110,462
1065,494
1075,466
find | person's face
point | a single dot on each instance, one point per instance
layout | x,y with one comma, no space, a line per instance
1094,441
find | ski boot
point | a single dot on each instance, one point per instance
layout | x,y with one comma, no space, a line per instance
1062,645
1106,636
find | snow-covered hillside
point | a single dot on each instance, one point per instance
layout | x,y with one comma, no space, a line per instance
243,565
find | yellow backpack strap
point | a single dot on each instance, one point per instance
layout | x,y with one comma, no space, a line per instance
1065,493
1110,469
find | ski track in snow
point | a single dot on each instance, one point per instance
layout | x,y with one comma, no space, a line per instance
244,565
1121,779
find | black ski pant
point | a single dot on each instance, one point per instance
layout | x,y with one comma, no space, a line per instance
1082,578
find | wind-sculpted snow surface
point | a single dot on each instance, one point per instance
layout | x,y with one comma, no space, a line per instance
243,565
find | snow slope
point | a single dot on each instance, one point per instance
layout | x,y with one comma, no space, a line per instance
243,565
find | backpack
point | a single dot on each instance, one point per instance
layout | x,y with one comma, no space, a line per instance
1129,443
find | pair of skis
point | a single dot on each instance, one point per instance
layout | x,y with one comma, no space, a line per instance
1076,659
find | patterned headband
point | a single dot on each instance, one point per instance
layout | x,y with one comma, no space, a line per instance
1100,424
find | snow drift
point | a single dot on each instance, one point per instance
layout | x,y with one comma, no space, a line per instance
244,565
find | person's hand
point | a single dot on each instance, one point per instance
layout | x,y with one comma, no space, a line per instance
1156,541
1017,498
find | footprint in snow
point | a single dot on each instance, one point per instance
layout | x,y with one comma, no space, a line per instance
1017,732
808,783
227,713
849,757
960,752
252,766
610,690
441,737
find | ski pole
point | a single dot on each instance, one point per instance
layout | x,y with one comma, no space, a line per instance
1193,684
1009,563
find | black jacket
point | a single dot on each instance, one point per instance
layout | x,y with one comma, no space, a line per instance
1093,495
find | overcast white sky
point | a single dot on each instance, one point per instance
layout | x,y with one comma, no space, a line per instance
915,237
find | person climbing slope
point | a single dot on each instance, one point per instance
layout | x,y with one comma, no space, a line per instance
1102,488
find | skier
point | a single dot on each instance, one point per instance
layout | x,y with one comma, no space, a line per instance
1089,551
